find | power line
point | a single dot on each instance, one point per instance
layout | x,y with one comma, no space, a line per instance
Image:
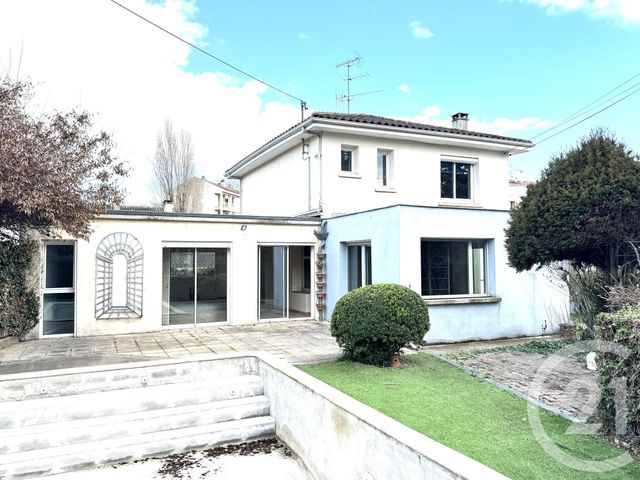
577,113
589,116
303,104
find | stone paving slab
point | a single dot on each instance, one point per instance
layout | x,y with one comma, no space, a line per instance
568,385
299,341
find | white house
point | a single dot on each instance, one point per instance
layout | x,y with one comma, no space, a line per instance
206,196
363,200
408,203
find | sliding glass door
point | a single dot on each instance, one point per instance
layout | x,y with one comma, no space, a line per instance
273,282
195,285
284,285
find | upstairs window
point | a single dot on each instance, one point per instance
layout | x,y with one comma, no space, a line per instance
455,180
385,168
348,159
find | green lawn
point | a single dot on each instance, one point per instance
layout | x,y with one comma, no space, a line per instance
469,415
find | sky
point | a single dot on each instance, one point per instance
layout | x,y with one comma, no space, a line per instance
518,67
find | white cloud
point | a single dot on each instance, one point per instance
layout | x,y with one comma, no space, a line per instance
500,126
98,56
403,87
303,36
621,11
418,31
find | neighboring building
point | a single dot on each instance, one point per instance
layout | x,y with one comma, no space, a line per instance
205,196
517,187
407,203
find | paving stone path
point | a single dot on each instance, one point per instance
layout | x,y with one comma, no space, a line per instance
566,385
294,341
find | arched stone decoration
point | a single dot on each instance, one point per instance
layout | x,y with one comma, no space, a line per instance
127,245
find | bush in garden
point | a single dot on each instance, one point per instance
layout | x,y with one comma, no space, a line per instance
623,328
373,322
19,306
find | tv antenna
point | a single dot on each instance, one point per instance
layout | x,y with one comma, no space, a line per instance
349,78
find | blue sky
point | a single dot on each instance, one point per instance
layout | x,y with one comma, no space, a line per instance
516,66
489,58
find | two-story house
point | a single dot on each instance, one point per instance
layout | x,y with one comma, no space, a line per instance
409,203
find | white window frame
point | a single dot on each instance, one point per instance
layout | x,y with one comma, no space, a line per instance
44,290
354,161
384,162
484,270
363,262
473,174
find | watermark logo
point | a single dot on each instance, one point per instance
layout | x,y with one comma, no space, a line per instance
583,394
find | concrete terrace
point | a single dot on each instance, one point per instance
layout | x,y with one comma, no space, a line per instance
293,341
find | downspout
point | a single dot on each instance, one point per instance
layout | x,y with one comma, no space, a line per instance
320,207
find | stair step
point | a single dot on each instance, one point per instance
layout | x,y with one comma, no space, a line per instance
99,380
69,457
51,435
17,414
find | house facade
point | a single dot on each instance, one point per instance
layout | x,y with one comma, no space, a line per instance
209,197
408,203
146,271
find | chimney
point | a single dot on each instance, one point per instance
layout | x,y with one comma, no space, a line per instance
167,206
459,121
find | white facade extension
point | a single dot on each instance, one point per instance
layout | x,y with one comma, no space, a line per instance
407,203
145,272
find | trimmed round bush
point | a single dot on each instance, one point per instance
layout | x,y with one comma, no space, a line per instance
373,322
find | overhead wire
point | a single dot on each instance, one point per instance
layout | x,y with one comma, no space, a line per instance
303,103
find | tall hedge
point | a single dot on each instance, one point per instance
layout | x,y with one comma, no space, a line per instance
373,322
623,328
19,306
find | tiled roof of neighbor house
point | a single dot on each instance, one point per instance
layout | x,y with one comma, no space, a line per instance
380,122
392,122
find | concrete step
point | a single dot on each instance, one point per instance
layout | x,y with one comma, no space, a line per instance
59,409
71,457
50,435
114,377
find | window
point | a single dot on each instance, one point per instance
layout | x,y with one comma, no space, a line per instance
455,180
358,266
348,159
58,294
385,168
453,267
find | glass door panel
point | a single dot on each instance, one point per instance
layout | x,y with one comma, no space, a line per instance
58,296
273,282
211,265
181,303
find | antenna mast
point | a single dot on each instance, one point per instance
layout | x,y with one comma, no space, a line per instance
349,78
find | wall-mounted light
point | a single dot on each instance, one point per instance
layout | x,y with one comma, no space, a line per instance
305,149
243,228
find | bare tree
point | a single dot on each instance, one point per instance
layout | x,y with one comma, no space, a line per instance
173,165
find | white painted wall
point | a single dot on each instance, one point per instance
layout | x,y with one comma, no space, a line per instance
526,298
154,233
281,187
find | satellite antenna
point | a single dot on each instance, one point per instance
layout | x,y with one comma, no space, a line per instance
349,78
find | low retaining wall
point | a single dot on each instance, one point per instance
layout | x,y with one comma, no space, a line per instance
338,437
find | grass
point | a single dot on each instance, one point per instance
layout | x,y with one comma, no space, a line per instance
470,416
543,347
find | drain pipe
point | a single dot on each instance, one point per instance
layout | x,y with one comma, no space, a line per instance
321,270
